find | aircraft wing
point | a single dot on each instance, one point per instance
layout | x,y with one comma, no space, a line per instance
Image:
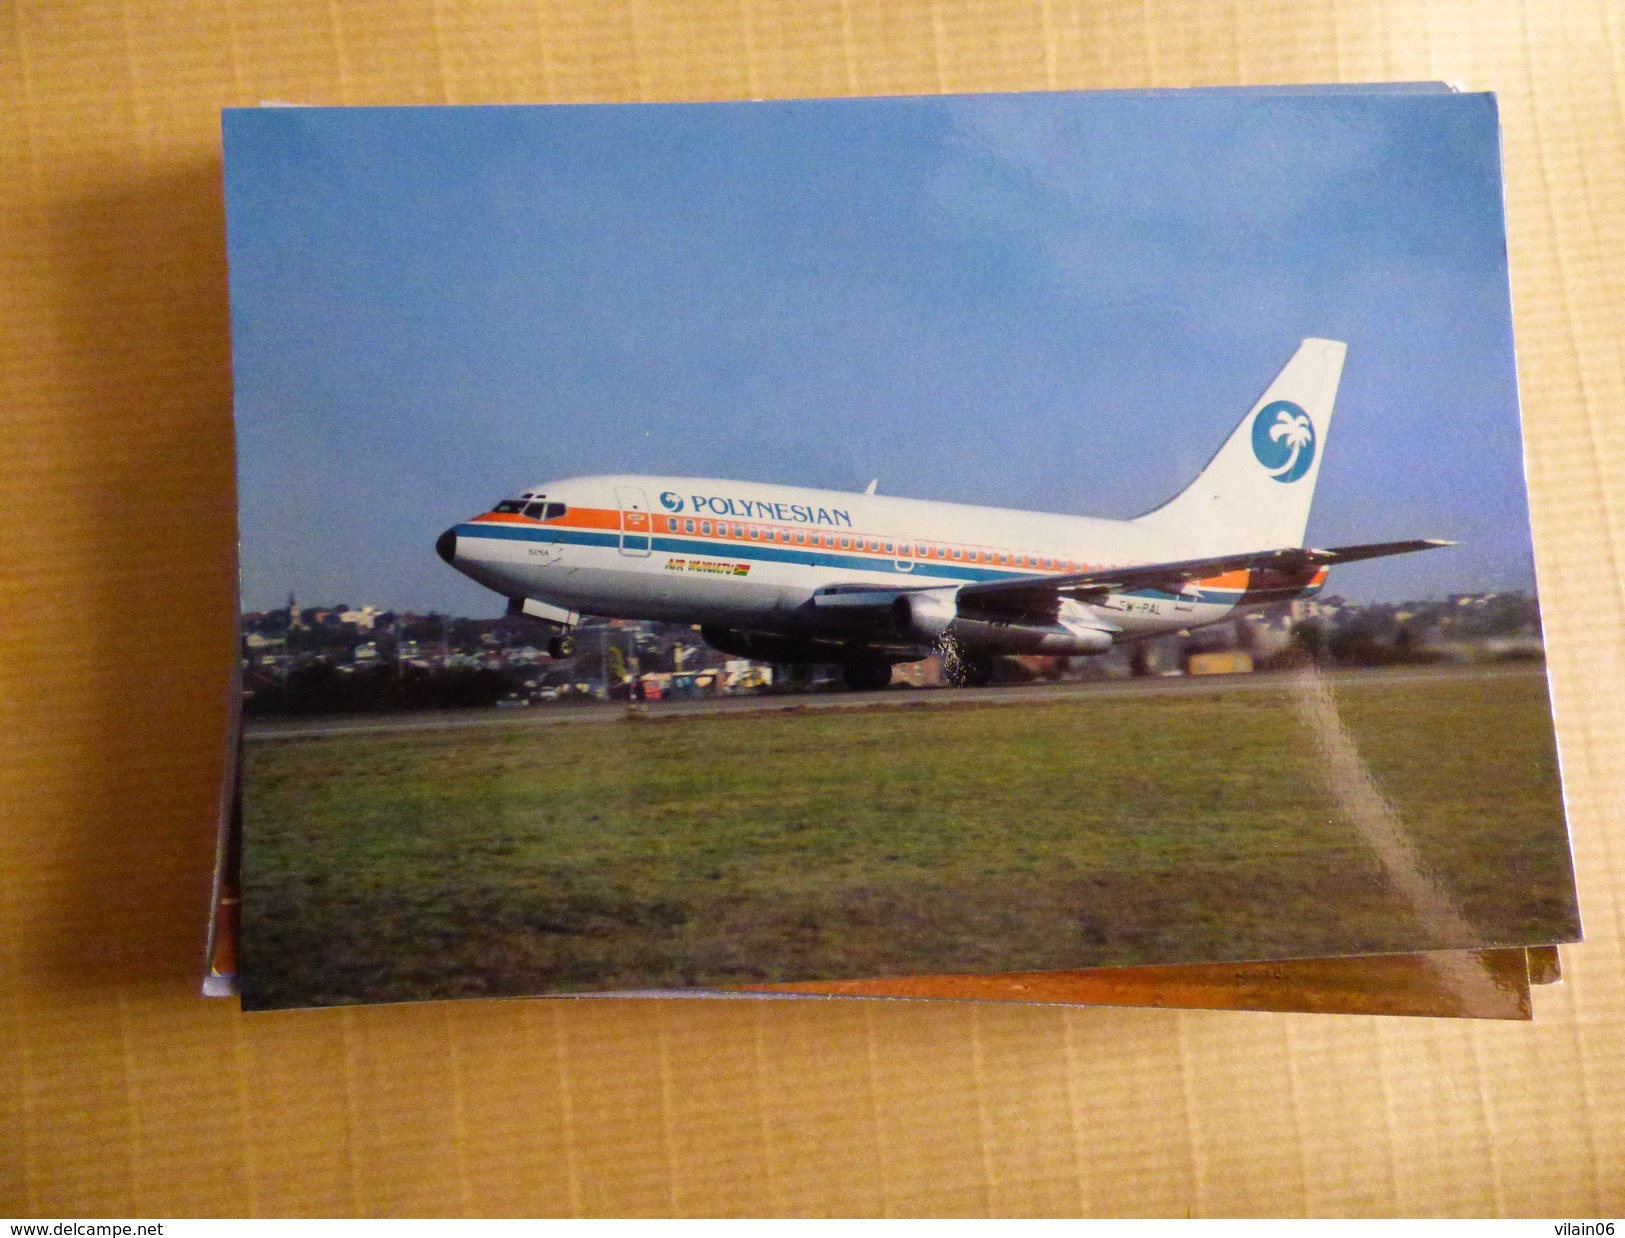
1040,592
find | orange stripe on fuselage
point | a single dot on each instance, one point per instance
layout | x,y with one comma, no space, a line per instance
575,518
659,522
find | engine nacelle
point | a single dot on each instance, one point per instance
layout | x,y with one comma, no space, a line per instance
933,615
1055,639
925,615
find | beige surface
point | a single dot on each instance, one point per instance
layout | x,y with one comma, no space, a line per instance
121,1093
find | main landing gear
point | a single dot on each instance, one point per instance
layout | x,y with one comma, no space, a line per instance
971,673
561,646
867,676
965,670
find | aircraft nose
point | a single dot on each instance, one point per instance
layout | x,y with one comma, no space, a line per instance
446,545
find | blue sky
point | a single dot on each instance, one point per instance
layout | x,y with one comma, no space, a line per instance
1058,302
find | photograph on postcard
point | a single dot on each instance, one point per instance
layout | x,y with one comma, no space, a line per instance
714,545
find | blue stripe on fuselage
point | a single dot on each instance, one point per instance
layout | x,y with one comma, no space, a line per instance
747,551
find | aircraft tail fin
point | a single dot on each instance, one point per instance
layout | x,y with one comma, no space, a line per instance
1255,493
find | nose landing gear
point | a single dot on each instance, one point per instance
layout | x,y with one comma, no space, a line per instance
557,620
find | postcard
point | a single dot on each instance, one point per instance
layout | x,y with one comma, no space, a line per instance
697,546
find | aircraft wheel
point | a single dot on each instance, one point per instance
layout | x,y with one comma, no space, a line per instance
968,672
867,676
561,646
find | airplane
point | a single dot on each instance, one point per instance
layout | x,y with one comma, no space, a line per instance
793,575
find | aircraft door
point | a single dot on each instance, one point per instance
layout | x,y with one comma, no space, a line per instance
636,523
903,556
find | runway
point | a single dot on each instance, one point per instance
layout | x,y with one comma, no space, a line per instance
568,714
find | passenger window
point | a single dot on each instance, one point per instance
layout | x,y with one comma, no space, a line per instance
800,538
739,530
688,526
705,527
846,543
958,553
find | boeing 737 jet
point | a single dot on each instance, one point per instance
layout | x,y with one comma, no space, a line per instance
784,574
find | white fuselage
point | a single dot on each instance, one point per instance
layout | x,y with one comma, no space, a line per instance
749,556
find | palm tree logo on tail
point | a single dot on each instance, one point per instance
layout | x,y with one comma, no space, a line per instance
1284,440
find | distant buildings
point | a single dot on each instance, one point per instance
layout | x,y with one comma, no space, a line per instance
645,660
362,619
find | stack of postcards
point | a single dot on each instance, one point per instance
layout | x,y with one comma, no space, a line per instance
1043,547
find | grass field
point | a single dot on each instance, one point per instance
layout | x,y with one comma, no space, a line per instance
793,846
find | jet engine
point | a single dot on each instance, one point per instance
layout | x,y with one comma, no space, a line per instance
925,615
932,616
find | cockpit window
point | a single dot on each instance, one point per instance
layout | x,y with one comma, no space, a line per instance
536,511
